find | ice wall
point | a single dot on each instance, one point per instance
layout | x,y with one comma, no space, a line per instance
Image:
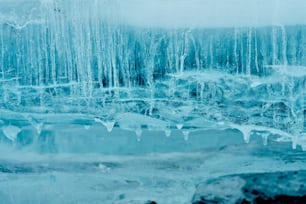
157,65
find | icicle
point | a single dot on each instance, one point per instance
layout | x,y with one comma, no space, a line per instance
167,132
138,132
109,125
294,142
179,126
246,132
246,136
11,132
38,127
265,138
186,135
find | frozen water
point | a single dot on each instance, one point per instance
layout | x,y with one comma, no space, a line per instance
168,133
11,132
143,97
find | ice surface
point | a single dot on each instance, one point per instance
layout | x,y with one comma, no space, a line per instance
130,101
253,188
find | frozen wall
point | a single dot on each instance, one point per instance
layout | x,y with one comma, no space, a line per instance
234,65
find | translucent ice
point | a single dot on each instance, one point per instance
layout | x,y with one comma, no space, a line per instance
91,91
109,125
168,132
118,64
179,126
186,135
11,132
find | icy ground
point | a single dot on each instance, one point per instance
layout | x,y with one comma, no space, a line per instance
140,170
162,177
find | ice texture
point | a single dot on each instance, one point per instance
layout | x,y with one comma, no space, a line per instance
130,101
76,59
254,188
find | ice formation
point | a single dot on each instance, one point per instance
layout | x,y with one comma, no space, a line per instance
57,58
11,132
175,76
